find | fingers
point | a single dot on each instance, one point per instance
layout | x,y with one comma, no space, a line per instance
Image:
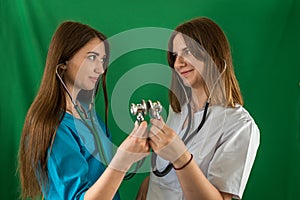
158,123
155,132
153,144
159,128
136,125
155,137
158,136
161,125
140,131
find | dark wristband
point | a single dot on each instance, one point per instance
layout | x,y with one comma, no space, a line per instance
188,162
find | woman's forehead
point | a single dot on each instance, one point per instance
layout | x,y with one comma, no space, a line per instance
178,42
94,45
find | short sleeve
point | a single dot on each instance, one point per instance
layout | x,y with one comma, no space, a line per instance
67,167
231,164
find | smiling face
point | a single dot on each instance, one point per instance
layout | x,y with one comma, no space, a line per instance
186,65
85,67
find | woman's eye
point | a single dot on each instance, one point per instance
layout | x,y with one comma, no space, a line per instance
103,60
92,57
187,52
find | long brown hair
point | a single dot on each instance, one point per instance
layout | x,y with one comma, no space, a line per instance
208,35
49,106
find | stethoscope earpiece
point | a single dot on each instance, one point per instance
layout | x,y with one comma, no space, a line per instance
64,67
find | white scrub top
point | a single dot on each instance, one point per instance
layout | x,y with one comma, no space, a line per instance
224,149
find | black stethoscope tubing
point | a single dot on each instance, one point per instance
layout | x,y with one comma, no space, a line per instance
184,139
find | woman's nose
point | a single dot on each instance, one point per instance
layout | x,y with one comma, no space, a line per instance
99,69
179,62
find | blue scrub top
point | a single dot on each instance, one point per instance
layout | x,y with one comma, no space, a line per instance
74,164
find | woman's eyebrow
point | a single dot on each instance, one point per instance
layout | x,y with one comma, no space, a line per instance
93,52
181,50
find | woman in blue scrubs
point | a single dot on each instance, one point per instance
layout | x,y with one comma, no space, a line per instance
59,156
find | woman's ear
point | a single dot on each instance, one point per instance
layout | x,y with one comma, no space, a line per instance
63,66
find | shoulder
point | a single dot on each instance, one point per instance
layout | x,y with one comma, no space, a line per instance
67,124
231,116
239,121
239,113
228,116
67,130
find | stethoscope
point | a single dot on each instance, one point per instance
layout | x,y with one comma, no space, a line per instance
87,116
185,139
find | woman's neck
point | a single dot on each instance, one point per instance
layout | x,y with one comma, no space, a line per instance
69,104
199,98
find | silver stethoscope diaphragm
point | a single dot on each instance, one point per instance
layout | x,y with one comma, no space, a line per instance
142,109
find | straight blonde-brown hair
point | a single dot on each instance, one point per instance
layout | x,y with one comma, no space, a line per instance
49,106
209,36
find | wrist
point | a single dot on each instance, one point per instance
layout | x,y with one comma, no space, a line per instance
182,160
119,161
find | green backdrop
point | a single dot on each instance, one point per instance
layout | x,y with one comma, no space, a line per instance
264,36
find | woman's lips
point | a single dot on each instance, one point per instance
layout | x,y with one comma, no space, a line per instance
94,79
186,73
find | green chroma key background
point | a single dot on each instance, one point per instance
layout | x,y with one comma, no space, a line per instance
264,37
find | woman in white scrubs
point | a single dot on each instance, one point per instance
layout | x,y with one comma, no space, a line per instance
215,162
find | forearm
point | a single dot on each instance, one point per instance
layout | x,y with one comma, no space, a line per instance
106,186
133,148
199,187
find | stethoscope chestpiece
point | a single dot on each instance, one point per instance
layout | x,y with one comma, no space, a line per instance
142,109
154,109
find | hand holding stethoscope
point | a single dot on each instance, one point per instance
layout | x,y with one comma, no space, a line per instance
165,142
134,148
